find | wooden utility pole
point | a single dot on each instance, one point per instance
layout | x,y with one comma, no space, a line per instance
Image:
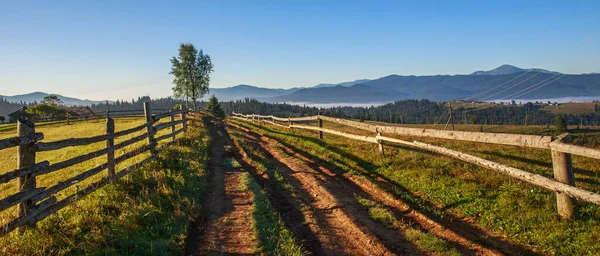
525,117
390,116
451,118
25,158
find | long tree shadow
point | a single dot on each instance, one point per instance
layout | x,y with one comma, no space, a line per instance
389,238
448,220
291,215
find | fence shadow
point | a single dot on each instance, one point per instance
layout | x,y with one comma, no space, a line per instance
449,220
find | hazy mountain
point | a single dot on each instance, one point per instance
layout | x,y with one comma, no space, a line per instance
508,69
533,85
38,96
358,93
243,90
345,84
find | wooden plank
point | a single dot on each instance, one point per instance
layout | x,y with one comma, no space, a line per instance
23,219
167,114
84,192
166,136
20,140
575,150
19,198
162,126
88,156
334,132
41,146
23,171
84,175
533,141
531,178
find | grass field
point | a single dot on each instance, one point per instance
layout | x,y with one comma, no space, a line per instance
146,212
442,187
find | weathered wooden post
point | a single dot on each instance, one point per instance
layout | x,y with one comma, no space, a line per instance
184,118
172,126
68,122
110,143
150,127
25,158
380,142
563,172
320,126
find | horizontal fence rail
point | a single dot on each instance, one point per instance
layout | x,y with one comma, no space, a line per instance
36,203
563,183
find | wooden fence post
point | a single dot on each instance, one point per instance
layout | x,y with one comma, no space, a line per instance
320,126
150,128
290,122
380,143
173,126
110,142
25,158
184,118
563,172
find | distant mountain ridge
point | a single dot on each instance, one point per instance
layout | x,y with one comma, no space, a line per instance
509,69
503,83
38,96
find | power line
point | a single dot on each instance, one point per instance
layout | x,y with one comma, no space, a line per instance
495,87
489,96
536,84
537,87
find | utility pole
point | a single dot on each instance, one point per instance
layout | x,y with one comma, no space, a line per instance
525,117
390,116
451,118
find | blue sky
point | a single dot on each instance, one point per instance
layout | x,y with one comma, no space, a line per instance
119,50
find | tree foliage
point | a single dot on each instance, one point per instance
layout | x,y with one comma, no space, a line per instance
191,69
560,124
47,111
214,106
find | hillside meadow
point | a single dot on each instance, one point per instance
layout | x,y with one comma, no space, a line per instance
171,181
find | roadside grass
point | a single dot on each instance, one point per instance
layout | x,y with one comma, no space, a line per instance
82,129
274,237
144,213
438,186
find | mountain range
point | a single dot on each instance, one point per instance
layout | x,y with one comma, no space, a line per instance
38,96
503,83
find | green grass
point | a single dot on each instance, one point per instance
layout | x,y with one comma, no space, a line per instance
424,241
274,237
231,163
441,186
145,213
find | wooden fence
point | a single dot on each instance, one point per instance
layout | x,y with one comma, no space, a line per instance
563,183
36,203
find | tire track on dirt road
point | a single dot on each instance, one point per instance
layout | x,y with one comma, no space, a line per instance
340,224
223,228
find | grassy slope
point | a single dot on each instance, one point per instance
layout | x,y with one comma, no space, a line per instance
439,186
146,212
